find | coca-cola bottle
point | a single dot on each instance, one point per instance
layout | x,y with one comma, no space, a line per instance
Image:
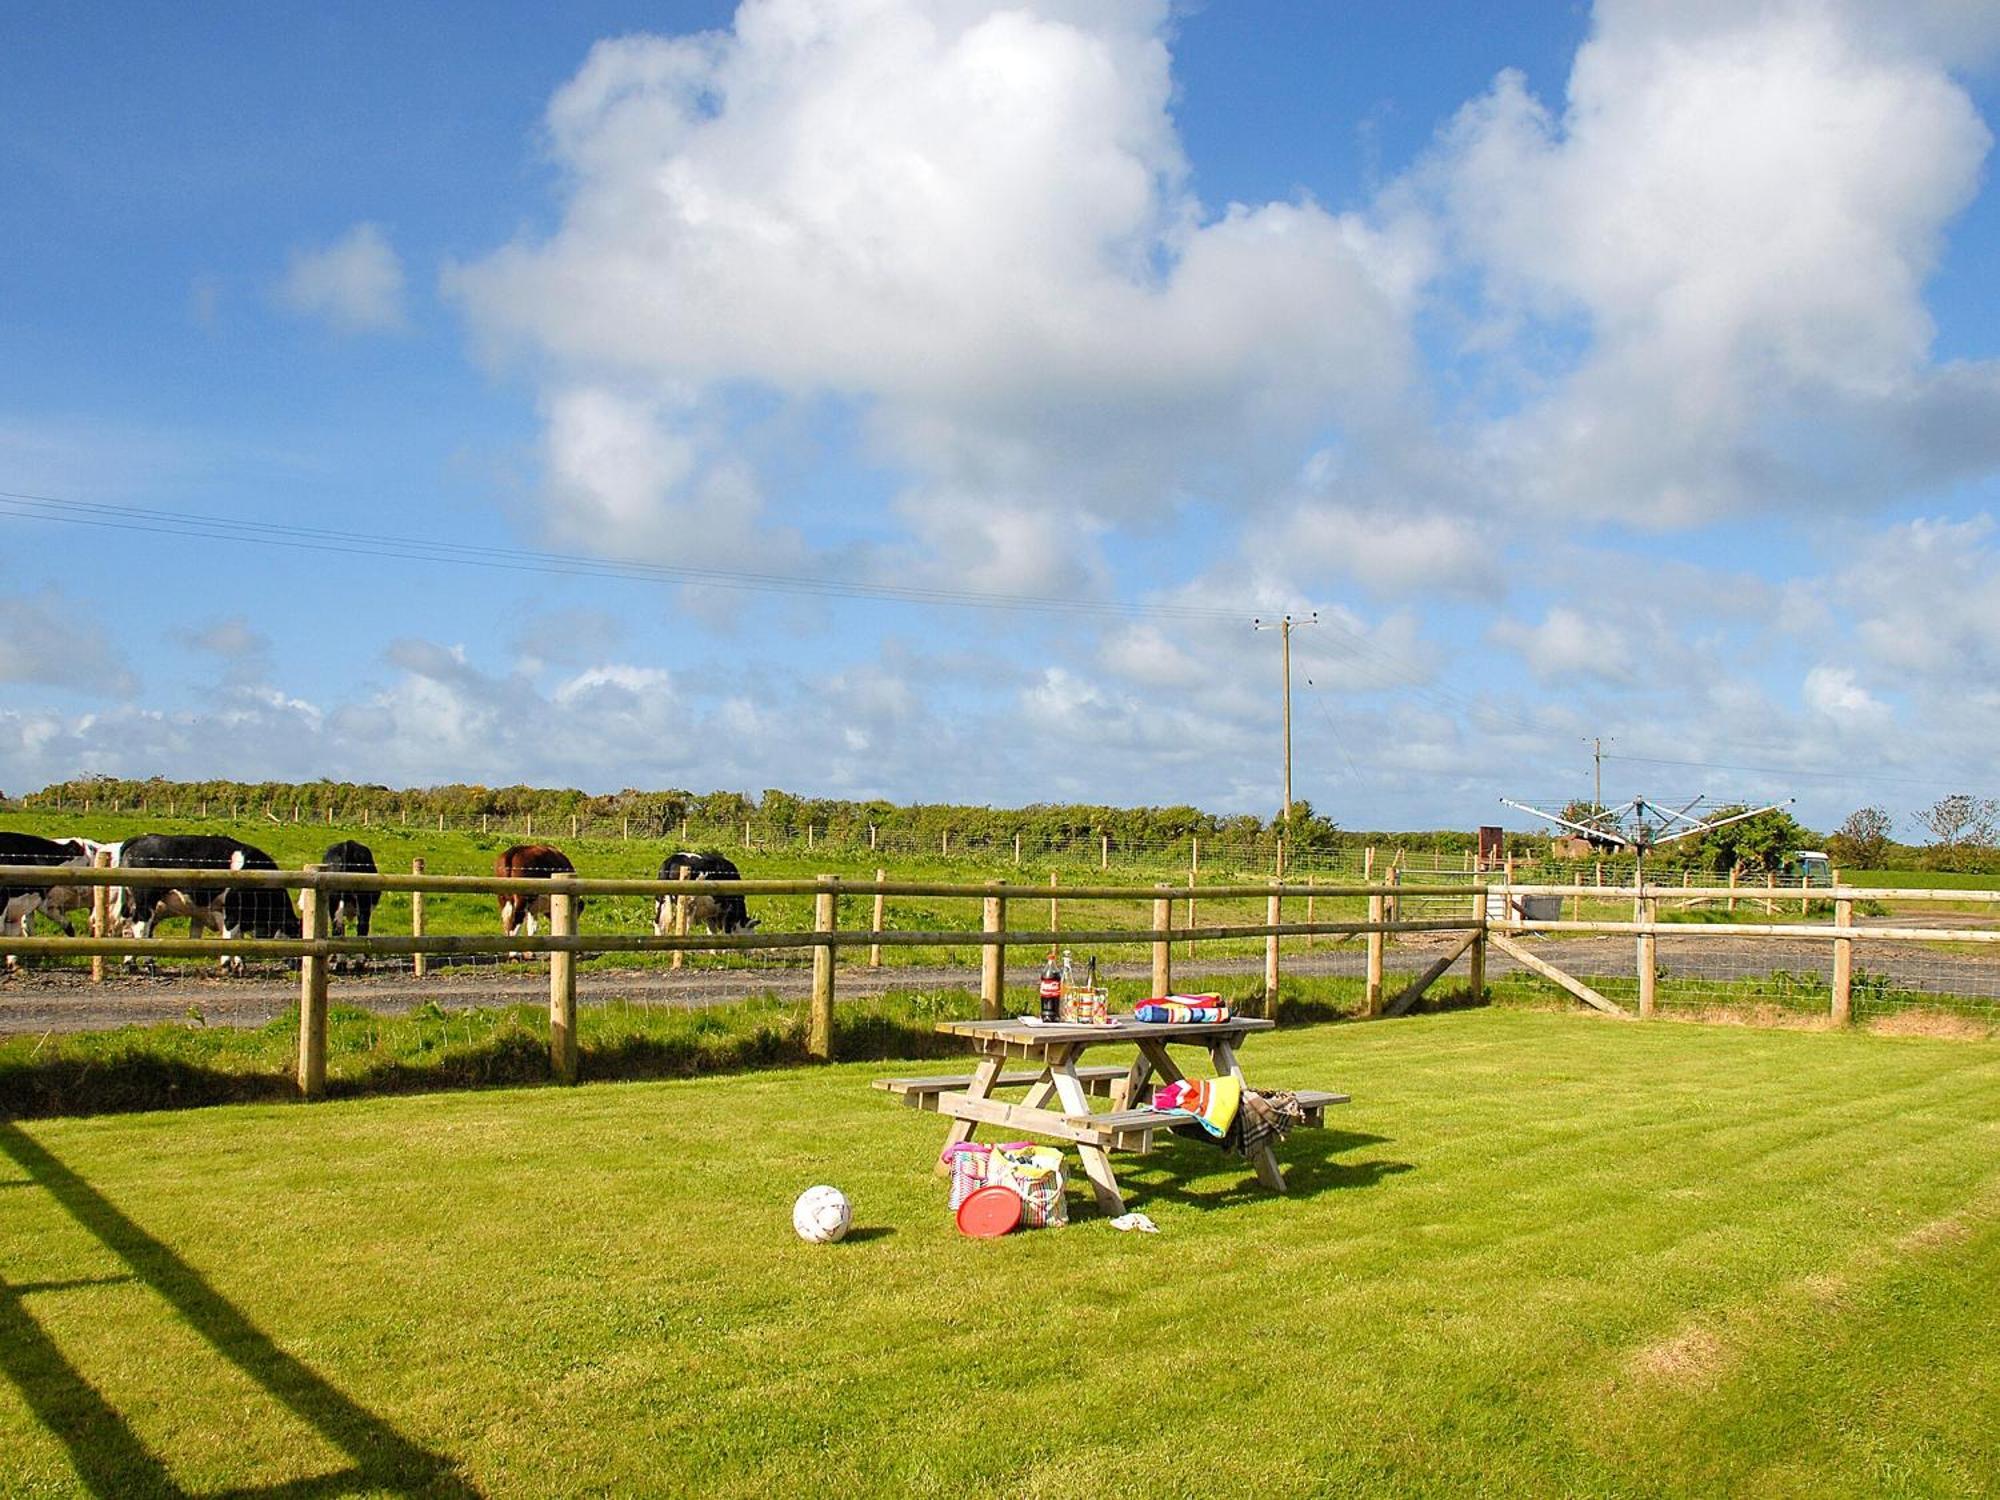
1052,989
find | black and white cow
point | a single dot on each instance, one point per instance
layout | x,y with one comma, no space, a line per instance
718,913
20,902
233,911
356,907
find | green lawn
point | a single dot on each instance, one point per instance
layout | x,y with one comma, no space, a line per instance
1538,1254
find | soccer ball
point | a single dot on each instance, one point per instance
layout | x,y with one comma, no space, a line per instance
822,1215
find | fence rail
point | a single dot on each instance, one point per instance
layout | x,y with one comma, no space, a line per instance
1486,912
1266,852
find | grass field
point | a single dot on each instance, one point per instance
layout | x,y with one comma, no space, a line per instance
1538,1254
1921,880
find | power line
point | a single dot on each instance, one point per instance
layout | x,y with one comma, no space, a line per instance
1857,776
195,526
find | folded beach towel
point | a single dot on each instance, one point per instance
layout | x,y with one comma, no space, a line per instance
1210,1102
1182,1008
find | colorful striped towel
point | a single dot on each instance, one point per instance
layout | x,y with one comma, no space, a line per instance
1210,1102
1182,1008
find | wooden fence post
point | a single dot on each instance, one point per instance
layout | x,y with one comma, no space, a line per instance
100,915
1647,909
944,843
312,995
1732,886
809,838
562,991
1191,915
875,949
1273,909
1475,977
993,959
1372,996
1843,964
1309,909
1771,885
419,962
871,837
680,922
819,1034
1104,852
1055,923
1163,945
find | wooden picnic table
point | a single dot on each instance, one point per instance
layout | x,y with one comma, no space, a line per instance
1052,1052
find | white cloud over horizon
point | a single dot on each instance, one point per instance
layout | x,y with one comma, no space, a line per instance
354,284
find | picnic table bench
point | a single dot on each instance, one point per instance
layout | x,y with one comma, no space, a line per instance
1054,1077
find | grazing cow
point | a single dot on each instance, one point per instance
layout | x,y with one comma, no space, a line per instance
20,902
349,858
718,913
529,862
64,899
233,911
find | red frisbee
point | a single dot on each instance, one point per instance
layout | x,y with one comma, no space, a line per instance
990,1212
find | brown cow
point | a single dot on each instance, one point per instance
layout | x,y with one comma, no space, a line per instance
529,861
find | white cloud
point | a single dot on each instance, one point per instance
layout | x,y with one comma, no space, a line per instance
45,638
1834,694
1733,217
1385,550
1568,645
355,283
1922,605
971,220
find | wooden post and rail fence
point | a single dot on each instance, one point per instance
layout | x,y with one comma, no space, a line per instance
1474,930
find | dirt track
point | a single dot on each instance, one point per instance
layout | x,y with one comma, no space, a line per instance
64,999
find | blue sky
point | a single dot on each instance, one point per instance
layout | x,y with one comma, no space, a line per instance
1628,370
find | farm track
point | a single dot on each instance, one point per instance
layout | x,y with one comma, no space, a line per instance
63,999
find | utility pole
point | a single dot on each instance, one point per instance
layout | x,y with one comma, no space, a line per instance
1597,763
1284,629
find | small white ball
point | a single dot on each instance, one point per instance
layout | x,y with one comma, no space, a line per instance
822,1215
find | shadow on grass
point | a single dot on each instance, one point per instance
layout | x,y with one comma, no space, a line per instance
431,1050
1307,1157
108,1456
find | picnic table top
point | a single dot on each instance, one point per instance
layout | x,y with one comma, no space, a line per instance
1037,1033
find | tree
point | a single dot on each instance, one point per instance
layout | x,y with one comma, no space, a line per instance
1759,843
1589,814
1958,823
1862,842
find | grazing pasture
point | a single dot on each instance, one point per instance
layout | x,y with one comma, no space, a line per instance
1539,1253
293,845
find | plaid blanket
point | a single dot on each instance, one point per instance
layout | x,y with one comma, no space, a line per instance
1265,1118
